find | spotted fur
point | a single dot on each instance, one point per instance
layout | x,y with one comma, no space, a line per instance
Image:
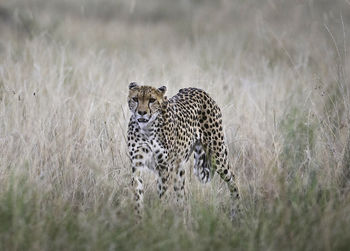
163,133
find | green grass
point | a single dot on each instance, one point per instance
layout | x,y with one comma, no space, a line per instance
302,218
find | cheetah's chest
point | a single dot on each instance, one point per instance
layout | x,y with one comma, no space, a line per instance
158,153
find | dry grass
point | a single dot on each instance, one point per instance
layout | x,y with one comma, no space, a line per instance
279,70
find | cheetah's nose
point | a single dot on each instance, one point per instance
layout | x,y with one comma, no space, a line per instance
142,113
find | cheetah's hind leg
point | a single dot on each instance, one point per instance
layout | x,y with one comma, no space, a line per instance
202,164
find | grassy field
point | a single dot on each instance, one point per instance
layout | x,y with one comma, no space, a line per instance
280,71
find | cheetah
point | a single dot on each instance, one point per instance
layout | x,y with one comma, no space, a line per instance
163,133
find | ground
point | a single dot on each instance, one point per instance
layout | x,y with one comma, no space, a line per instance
278,69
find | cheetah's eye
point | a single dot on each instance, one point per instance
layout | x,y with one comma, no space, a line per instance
152,100
135,99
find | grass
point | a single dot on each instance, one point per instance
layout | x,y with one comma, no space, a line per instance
278,69
303,218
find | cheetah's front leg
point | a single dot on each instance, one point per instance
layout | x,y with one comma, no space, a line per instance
137,186
140,159
162,182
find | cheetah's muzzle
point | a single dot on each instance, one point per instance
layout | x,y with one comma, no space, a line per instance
142,120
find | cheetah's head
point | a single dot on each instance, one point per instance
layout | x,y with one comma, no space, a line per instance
145,101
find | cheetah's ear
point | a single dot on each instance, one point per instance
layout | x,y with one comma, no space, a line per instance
162,89
133,85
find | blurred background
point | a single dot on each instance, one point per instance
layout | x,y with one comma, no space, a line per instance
157,25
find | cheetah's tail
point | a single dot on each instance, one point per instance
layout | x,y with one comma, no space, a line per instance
202,164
